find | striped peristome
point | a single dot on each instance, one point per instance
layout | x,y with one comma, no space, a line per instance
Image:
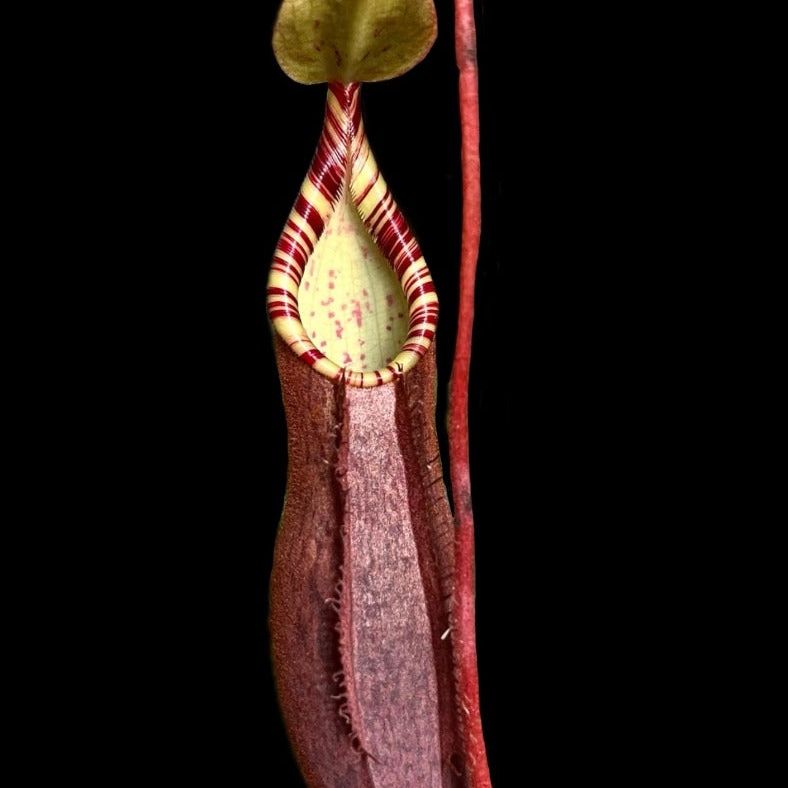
344,160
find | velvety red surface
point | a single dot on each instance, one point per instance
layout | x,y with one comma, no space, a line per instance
362,585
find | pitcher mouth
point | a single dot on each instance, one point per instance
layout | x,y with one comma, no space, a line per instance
349,290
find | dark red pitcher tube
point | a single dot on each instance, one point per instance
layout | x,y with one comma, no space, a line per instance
361,585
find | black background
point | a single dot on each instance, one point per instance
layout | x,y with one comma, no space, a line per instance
220,140
159,152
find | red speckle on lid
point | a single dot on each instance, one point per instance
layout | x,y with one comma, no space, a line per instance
389,299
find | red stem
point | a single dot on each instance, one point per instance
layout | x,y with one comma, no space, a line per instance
464,631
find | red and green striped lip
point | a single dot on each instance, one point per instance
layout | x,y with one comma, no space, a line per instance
349,291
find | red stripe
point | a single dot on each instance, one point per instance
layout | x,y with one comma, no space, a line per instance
301,235
308,211
280,291
358,200
311,356
287,312
428,287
